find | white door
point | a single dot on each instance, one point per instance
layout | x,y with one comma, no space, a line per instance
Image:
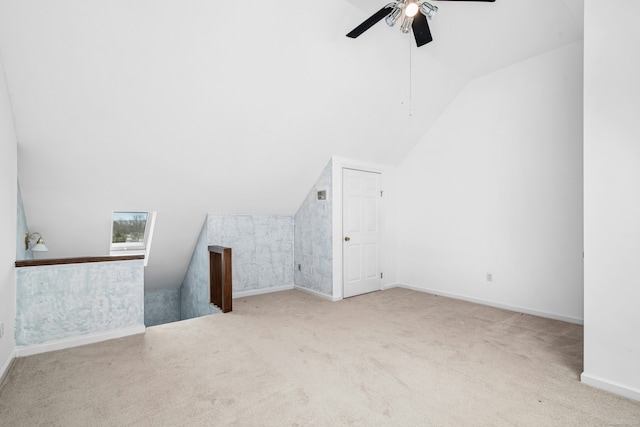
361,202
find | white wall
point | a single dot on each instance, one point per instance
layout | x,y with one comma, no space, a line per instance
612,196
496,187
189,108
175,108
22,228
8,200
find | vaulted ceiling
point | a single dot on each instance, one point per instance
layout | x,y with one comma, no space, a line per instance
197,106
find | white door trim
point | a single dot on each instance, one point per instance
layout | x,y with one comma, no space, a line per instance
338,164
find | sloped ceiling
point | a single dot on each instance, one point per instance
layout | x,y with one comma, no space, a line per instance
196,106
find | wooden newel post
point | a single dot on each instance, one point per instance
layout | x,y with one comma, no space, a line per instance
220,285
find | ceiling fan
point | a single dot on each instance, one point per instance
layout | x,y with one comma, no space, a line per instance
414,15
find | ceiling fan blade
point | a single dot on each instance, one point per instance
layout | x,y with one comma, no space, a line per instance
469,0
374,19
421,30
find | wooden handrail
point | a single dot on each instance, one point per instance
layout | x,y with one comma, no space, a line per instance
80,260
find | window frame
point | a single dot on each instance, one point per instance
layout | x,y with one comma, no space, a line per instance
133,248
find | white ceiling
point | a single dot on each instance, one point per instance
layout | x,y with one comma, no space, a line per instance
190,107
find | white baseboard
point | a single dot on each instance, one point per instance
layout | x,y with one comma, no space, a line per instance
30,350
316,293
610,386
251,292
4,370
490,303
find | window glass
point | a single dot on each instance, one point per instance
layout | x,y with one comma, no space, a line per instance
131,233
129,230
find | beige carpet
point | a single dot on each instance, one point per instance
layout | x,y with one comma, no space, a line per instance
396,357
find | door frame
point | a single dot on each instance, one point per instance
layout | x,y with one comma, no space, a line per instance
338,164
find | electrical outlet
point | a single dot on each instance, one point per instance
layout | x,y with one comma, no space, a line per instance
1,329
489,277
299,267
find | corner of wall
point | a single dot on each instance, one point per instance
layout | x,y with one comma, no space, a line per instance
313,251
9,195
22,228
194,291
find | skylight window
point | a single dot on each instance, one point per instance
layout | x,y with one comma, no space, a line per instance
131,233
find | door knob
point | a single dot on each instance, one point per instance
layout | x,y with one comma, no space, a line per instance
346,239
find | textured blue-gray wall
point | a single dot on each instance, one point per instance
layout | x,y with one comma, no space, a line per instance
54,302
262,257
262,248
313,246
194,292
161,306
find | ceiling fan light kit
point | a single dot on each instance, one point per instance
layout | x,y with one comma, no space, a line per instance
414,15
411,8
